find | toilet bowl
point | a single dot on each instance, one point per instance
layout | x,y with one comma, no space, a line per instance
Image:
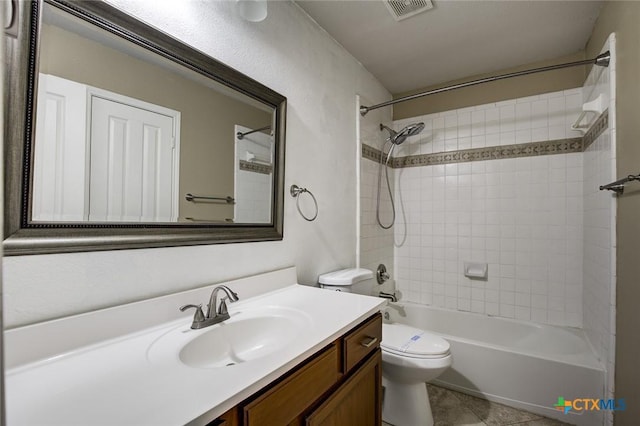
410,357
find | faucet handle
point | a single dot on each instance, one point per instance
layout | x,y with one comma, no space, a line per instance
222,309
198,317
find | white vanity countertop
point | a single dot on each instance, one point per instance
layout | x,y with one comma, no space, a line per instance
114,382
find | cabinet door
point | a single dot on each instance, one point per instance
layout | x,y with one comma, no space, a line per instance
357,402
230,418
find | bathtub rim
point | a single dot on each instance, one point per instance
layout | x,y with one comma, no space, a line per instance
585,360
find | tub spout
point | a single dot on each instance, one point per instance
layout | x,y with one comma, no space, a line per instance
398,307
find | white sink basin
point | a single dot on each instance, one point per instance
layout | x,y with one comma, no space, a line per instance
247,336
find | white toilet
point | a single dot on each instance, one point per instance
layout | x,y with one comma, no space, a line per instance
410,357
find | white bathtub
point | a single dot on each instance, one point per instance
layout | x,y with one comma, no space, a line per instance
520,364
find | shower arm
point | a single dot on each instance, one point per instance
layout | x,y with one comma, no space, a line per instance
601,60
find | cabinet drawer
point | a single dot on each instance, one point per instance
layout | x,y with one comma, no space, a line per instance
362,341
289,398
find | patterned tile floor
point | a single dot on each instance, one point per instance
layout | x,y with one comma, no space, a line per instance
452,408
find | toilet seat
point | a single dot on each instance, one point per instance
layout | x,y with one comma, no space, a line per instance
405,341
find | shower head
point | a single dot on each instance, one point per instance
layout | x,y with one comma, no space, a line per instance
410,130
398,137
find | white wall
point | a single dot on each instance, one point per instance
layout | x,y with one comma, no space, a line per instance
2,402
376,244
522,216
599,225
289,53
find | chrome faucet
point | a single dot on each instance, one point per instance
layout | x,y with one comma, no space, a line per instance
213,316
213,301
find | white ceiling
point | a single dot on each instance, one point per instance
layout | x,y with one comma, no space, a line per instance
455,39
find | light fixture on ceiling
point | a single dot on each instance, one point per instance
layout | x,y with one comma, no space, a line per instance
403,9
252,10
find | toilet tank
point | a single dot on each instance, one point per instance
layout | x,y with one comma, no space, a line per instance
350,280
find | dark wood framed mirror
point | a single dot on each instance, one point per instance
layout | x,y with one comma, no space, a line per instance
189,151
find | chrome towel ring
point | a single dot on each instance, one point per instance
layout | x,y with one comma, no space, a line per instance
295,191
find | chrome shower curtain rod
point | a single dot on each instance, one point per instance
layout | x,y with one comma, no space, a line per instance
600,60
241,135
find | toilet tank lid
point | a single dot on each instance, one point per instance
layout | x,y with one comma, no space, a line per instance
345,276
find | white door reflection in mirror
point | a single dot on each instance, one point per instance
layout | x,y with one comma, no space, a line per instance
133,174
60,148
127,171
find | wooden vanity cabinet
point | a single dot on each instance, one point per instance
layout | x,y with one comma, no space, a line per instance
341,385
357,401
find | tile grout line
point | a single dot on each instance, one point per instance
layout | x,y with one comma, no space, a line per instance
469,407
464,406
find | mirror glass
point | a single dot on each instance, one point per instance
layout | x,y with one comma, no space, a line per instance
125,135
119,136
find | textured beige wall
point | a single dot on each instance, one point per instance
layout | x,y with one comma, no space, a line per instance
518,87
2,393
623,18
207,117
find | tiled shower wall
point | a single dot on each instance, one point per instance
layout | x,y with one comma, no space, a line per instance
253,180
531,119
540,222
599,225
522,216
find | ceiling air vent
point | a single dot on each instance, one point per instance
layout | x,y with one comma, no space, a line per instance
403,9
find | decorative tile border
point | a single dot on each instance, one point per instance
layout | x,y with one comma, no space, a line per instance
371,153
560,146
601,124
248,166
